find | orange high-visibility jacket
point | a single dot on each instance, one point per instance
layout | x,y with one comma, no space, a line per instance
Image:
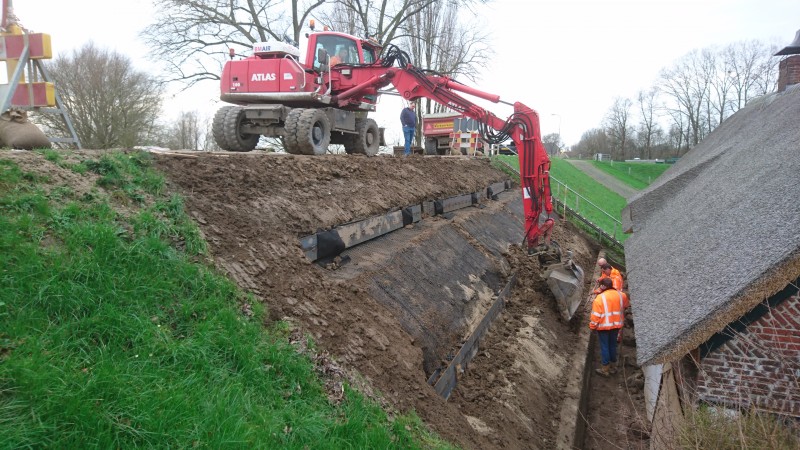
616,280
608,310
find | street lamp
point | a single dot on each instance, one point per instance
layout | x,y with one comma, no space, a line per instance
559,129
559,124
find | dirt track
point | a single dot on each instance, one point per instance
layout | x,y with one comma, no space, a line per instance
603,178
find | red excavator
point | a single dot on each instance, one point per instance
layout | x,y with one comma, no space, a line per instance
324,99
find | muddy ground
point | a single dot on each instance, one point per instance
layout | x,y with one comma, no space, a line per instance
252,208
615,415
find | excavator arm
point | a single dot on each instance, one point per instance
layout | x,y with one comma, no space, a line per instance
522,127
563,276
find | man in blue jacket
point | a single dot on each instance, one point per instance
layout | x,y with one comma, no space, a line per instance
409,120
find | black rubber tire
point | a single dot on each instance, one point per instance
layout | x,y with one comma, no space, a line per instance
430,146
313,132
237,141
218,127
290,131
367,140
350,143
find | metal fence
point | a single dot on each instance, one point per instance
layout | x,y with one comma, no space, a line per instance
572,205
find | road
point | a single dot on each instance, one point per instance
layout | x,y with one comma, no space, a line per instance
604,178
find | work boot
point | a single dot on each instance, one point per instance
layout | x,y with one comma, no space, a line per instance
603,371
612,368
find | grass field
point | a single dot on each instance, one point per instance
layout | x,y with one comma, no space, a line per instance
635,175
604,198
111,336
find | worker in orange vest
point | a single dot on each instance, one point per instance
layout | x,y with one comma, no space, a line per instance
608,272
614,271
607,319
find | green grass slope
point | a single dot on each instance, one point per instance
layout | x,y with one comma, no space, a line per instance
113,336
635,175
600,196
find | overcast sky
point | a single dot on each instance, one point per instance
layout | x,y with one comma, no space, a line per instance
567,59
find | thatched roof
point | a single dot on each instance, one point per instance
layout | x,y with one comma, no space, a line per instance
719,232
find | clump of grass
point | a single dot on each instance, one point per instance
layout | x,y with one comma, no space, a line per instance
110,337
52,155
711,428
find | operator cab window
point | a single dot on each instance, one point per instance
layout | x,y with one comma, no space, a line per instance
340,50
369,55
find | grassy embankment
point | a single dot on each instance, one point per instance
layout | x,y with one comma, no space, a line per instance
113,336
635,175
606,199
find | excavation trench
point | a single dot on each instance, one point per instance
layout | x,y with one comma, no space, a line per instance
438,272
397,308
441,275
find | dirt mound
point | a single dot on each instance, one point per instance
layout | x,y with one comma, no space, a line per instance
252,208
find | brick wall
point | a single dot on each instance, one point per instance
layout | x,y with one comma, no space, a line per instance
758,367
788,72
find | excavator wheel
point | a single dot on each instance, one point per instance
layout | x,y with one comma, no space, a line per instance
367,139
290,127
227,129
218,127
313,132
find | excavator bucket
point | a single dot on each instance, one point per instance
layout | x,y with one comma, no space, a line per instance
565,281
564,278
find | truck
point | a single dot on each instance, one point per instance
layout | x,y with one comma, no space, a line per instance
451,133
312,101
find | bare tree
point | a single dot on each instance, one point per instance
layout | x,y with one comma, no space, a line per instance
552,144
767,71
439,40
741,59
617,123
442,40
383,19
111,104
647,120
186,132
721,86
592,142
344,19
387,20
678,135
700,91
193,36
687,85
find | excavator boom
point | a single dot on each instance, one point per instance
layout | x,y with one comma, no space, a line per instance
522,127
